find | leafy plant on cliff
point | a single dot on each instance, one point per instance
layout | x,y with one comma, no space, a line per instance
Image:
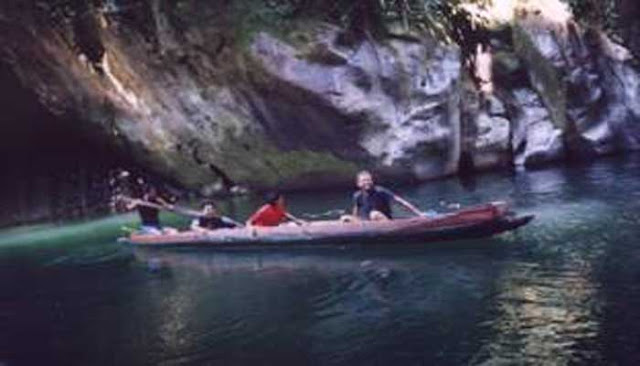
601,13
439,17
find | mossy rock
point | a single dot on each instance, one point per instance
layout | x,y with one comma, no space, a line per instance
545,77
303,169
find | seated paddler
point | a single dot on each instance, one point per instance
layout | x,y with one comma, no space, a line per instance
273,212
211,219
373,202
149,206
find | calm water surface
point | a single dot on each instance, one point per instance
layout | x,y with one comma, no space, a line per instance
564,290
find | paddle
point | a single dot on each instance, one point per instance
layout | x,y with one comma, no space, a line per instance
326,214
450,205
453,206
175,209
128,230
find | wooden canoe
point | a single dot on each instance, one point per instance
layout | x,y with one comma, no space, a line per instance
474,222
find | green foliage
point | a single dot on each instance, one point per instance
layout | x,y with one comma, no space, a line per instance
283,18
438,17
446,20
596,11
601,13
250,16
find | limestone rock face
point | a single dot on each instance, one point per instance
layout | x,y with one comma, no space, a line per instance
401,98
586,81
201,93
486,131
194,102
492,144
536,140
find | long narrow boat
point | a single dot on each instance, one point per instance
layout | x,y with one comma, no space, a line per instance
474,222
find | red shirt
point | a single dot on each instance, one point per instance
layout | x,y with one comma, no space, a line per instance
268,215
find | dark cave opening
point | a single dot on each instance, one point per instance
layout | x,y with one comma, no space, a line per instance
54,168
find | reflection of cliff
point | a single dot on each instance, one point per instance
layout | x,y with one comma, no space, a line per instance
213,96
334,306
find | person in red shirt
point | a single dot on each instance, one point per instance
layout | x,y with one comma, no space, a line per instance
273,213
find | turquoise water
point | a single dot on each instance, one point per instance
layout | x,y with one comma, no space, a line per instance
563,290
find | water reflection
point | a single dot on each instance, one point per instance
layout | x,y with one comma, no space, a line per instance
563,290
333,304
544,316
548,306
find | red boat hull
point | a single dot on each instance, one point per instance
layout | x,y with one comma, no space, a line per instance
474,222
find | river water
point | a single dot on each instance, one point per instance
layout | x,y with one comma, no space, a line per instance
563,290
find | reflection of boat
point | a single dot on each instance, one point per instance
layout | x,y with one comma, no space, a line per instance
474,222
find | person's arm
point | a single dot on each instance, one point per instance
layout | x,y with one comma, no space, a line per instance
230,223
161,201
130,204
356,207
295,219
407,205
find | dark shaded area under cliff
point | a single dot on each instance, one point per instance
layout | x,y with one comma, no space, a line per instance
51,169
630,26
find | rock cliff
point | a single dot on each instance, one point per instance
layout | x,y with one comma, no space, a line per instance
213,95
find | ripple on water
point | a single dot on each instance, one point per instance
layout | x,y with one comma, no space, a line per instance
563,290
543,315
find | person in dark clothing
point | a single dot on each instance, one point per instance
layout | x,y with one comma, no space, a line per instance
373,202
124,187
212,220
149,210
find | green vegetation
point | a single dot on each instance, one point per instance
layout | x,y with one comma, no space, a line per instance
600,13
272,166
252,16
357,17
296,166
